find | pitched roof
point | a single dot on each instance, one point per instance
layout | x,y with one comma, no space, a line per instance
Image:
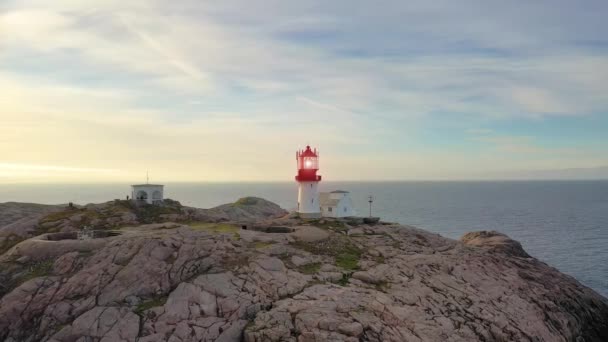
339,192
326,201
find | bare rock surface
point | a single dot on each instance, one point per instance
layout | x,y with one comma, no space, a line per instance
11,212
309,233
186,282
496,241
19,221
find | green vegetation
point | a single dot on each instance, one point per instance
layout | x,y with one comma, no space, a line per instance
334,225
61,215
345,279
214,227
217,228
246,201
40,269
312,268
34,270
9,242
86,215
262,245
152,303
150,213
342,248
98,216
348,260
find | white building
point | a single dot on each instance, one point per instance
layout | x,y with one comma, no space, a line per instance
336,204
149,193
308,183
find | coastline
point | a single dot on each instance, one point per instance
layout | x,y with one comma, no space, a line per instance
376,282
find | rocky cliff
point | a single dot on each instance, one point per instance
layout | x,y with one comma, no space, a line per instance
207,279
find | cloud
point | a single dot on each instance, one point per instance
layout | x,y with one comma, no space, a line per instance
198,85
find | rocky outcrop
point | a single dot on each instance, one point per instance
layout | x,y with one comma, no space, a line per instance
494,241
21,220
334,283
245,209
11,212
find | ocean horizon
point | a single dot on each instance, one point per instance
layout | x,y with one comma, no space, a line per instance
562,223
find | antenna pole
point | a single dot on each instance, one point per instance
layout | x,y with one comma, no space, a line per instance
370,200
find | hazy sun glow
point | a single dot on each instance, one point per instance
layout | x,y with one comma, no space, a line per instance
228,90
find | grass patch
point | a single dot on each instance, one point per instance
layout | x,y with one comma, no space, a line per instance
246,201
61,215
348,260
262,245
312,268
150,213
344,251
99,215
328,224
215,227
149,304
9,242
35,270
40,269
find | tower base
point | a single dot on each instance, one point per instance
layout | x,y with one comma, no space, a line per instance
310,215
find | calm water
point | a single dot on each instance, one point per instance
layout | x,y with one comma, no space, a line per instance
562,223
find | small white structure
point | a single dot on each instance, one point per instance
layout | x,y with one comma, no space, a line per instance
149,193
336,204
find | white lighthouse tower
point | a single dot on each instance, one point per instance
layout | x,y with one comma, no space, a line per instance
308,181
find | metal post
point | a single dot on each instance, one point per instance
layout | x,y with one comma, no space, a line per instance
370,200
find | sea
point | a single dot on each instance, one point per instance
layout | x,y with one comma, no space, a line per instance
562,223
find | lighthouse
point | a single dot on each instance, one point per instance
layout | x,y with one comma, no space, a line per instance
308,181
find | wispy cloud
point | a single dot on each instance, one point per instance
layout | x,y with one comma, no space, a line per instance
149,82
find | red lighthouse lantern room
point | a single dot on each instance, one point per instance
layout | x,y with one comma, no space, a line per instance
308,165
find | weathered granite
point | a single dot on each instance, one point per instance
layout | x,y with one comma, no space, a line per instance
22,220
379,283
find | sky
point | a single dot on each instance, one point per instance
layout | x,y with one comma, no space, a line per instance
229,90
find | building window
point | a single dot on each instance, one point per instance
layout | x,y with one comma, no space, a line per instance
311,186
344,209
330,209
312,201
